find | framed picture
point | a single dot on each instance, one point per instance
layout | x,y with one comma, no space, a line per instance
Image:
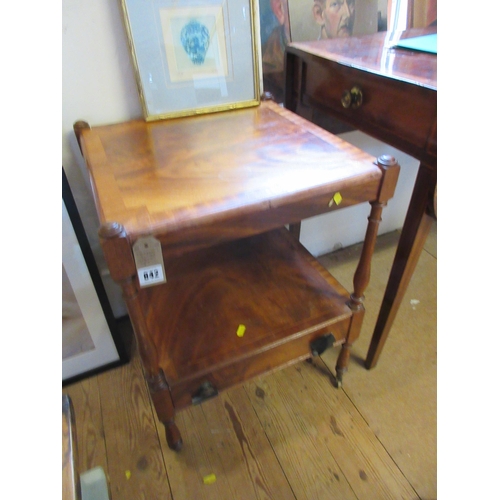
194,56
90,340
287,21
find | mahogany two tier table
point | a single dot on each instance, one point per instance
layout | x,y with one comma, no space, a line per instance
193,216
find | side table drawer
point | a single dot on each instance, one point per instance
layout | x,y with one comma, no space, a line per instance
385,110
253,364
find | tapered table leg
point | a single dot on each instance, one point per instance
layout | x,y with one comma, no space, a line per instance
413,236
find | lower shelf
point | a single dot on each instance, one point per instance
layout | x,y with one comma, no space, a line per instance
237,310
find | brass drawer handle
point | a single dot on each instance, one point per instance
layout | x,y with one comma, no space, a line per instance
352,98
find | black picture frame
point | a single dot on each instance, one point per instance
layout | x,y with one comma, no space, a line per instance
85,363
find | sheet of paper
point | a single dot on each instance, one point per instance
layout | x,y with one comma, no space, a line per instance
425,43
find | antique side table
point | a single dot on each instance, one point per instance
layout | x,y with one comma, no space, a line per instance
193,213
389,93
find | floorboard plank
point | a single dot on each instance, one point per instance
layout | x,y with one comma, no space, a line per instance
135,461
325,447
224,437
285,413
86,402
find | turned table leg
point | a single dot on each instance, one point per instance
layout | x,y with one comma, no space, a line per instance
160,394
122,268
361,280
390,169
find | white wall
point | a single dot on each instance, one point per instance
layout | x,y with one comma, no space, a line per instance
98,86
346,227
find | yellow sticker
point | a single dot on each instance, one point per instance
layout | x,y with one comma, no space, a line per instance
336,198
128,474
210,479
241,330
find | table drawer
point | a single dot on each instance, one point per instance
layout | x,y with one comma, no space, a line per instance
385,112
237,371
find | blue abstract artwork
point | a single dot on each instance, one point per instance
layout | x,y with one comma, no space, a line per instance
195,39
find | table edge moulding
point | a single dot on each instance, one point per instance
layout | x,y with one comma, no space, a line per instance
240,295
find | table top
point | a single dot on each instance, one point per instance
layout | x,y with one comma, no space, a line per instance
165,176
377,54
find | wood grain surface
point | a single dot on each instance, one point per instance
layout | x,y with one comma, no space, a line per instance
215,169
269,283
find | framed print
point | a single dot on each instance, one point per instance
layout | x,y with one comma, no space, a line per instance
287,21
194,56
90,340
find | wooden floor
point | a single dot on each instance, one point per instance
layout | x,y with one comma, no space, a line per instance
290,434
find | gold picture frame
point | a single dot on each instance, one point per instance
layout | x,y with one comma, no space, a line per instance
193,57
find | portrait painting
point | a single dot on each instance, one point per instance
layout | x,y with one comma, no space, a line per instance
285,21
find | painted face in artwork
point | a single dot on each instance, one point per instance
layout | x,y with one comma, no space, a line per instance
336,17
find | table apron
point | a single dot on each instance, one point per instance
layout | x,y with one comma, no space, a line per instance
386,113
213,230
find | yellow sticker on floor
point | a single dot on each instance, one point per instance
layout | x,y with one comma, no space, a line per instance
241,330
210,479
